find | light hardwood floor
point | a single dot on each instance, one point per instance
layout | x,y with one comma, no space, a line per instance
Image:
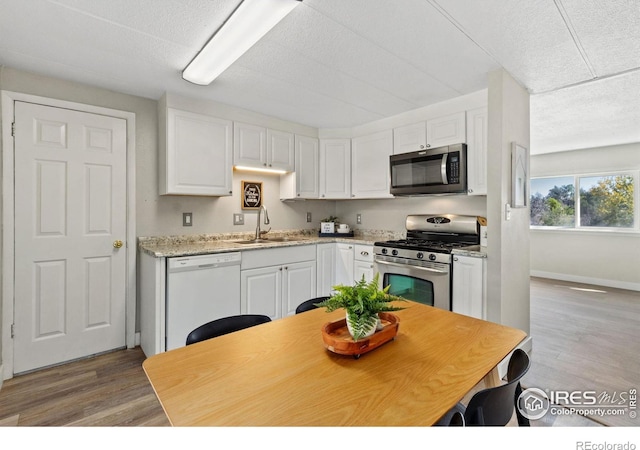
105,390
584,337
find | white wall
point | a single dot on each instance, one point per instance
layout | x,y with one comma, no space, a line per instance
602,258
390,214
508,240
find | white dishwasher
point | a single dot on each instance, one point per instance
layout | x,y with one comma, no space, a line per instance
200,289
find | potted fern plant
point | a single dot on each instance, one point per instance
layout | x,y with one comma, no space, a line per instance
362,302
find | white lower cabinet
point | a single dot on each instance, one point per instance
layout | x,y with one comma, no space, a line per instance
344,264
363,262
469,286
274,282
325,263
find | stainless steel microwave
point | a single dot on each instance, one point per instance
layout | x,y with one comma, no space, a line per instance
440,170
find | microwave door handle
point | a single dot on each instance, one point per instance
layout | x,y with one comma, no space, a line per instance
405,266
443,169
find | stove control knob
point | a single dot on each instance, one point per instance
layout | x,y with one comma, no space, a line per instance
432,257
384,251
420,255
394,252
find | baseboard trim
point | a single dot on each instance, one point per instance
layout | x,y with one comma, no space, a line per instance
586,280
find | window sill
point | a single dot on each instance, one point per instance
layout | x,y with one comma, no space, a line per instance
588,231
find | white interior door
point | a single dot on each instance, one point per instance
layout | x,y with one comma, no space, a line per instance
70,209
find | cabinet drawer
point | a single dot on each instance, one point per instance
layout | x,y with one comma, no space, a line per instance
252,259
363,253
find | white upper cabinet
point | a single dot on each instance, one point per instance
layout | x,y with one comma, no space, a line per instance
249,145
438,132
307,157
370,176
280,150
195,154
304,182
335,168
446,130
477,126
410,138
260,147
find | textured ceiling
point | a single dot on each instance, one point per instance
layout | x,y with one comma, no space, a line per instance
341,63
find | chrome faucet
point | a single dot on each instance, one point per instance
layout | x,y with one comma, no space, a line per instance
266,222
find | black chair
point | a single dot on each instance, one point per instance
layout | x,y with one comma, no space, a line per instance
309,304
225,325
494,406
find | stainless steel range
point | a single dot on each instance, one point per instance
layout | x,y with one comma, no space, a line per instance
419,267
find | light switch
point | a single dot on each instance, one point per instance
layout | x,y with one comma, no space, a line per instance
238,219
187,219
308,217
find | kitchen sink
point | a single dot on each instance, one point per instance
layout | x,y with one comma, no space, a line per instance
267,240
285,239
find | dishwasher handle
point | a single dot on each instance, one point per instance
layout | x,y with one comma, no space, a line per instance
202,262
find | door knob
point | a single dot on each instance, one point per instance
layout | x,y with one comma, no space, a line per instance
117,244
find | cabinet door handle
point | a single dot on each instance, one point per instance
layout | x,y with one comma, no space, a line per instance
364,253
455,258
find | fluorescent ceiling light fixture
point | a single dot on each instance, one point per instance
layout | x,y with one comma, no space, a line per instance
250,21
260,169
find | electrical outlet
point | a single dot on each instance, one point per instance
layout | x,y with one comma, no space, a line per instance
359,219
308,217
238,219
187,219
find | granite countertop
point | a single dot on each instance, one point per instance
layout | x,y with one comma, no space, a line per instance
473,250
187,245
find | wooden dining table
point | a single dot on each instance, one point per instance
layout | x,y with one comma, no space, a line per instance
281,374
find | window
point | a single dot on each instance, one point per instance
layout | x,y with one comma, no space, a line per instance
603,201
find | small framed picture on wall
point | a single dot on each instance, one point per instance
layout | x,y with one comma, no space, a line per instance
519,176
251,194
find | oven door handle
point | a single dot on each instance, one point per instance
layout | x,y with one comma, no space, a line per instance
426,269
